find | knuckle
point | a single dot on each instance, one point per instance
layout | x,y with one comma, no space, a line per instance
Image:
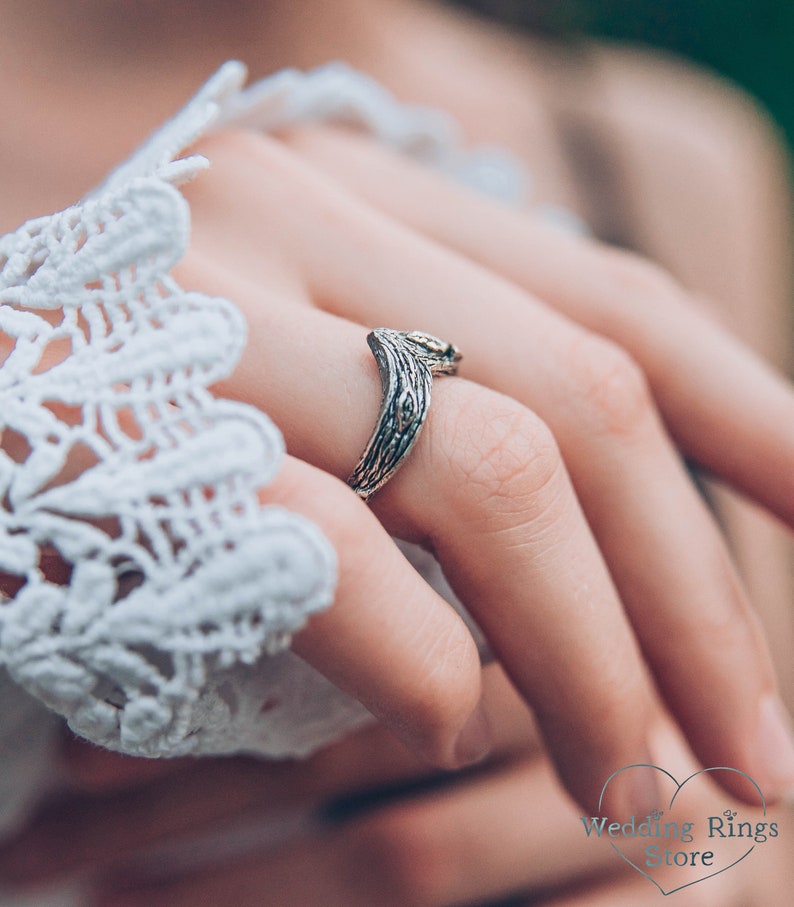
503,453
410,856
611,385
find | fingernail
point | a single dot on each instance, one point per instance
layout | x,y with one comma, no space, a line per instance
775,745
475,740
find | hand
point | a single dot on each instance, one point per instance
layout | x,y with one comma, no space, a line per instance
536,481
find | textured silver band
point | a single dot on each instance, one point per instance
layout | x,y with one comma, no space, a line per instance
407,363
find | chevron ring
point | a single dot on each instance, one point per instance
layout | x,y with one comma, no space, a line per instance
407,363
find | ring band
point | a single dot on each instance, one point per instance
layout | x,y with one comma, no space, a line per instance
407,363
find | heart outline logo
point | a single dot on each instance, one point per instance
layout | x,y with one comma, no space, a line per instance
679,786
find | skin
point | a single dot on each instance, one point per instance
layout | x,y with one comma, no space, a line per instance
574,381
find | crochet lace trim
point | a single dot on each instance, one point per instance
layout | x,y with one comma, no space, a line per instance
141,561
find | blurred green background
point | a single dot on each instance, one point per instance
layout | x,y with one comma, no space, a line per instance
750,41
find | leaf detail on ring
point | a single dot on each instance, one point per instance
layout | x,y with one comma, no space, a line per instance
406,409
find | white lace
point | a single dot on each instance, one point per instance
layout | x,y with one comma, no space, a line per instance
132,472
120,468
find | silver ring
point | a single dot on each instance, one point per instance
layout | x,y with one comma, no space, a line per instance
407,363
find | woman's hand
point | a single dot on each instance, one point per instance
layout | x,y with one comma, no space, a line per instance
542,476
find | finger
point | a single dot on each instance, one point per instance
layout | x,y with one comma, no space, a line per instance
385,614
118,824
667,557
485,488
